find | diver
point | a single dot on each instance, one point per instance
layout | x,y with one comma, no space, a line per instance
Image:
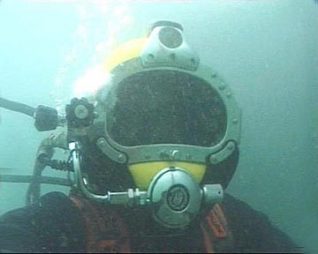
151,154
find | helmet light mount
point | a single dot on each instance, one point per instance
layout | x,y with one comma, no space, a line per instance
170,37
167,47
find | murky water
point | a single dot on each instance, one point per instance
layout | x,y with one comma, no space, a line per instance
266,50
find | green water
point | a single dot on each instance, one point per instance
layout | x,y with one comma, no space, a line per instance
266,50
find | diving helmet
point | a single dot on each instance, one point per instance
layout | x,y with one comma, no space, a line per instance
165,132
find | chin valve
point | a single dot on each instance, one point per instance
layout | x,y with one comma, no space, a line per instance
177,199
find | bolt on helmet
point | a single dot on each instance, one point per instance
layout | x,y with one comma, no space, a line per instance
166,124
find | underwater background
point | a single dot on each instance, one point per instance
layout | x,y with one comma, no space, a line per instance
267,50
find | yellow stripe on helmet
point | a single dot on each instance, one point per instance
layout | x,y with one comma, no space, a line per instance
125,52
143,173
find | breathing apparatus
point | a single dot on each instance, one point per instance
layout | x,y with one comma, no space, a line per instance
182,123
167,172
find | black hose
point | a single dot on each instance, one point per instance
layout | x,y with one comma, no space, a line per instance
29,179
17,106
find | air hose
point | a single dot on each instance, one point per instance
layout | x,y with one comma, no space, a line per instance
17,106
46,118
44,155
